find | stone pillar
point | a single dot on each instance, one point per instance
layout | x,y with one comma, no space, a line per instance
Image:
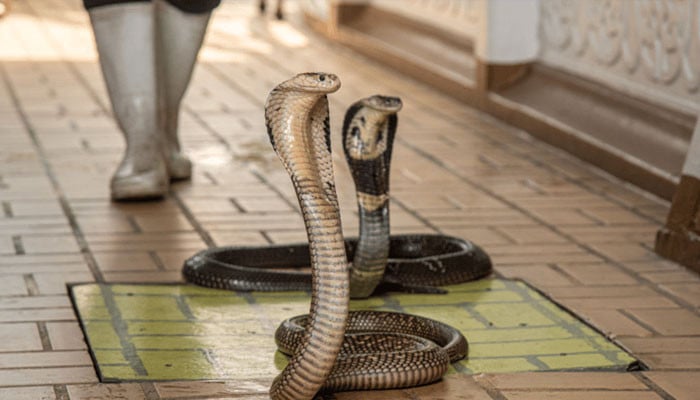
509,32
679,240
508,41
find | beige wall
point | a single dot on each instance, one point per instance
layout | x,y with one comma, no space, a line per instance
646,49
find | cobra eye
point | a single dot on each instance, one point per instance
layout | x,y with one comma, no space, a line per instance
321,78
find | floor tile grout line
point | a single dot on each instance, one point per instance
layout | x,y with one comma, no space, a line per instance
213,69
576,182
680,302
149,390
639,322
189,215
77,232
546,147
61,392
652,385
70,65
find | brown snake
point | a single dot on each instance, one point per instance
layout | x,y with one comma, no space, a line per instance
323,359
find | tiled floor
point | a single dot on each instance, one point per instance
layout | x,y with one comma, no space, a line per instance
576,234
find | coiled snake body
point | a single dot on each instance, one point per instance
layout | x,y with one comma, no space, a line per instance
413,350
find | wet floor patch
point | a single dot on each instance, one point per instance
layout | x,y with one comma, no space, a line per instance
181,332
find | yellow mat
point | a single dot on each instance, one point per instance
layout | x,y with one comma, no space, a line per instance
181,332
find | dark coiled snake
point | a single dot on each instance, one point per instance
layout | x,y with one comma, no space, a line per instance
333,349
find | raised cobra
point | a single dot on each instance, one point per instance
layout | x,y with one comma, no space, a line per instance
296,114
368,136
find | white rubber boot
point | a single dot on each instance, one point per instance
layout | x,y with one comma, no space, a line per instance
124,34
179,37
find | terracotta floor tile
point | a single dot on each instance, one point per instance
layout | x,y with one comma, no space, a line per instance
125,261
146,241
41,259
535,235
680,385
494,219
376,395
627,252
613,215
7,245
565,381
12,285
613,234
44,376
541,276
66,336
44,225
18,302
113,391
35,208
614,323
663,344
480,236
618,303
671,322
55,282
19,337
286,236
105,224
45,359
143,277
237,238
177,390
675,276
564,217
103,206
689,292
251,222
50,244
582,395
174,259
543,256
163,223
657,265
452,387
43,314
597,274
262,204
206,205
607,291
28,393
659,361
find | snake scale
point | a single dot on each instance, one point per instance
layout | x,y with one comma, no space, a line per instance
333,349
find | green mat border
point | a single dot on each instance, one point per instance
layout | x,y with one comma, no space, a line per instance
636,365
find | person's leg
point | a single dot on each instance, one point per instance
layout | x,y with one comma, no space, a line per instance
124,33
180,29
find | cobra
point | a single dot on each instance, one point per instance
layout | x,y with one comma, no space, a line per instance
297,119
296,115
